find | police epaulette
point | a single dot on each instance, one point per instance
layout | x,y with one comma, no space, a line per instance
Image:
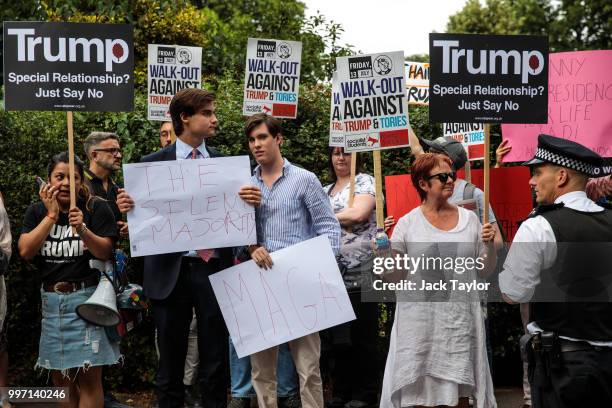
541,209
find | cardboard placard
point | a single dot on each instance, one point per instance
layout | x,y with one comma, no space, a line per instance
336,132
68,66
510,195
171,68
488,78
373,100
272,77
579,105
186,205
471,135
417,82
300,295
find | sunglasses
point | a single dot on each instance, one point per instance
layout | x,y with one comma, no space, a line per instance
443,177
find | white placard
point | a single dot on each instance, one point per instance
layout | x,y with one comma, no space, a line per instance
272,77
303,293
417,82
184,205
471,135
171,68
336,134
373,99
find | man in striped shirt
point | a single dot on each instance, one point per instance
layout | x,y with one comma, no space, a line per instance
294,208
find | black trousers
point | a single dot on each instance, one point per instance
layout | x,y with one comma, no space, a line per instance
355,373
583,380
172,318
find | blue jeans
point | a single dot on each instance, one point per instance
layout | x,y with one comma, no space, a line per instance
240,373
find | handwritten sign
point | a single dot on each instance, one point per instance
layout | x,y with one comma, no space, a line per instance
184,205
579,105
171,68
510,195
373,98
417,82
471,135
336,132
272,77
301,294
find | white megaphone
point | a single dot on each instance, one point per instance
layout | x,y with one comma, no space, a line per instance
101,308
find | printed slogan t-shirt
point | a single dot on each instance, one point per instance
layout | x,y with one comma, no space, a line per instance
62,256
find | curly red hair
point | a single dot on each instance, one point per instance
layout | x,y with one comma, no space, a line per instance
422,166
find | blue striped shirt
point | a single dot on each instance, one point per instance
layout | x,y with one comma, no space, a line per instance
295,209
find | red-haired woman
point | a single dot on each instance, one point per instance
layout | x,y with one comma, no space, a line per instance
437,353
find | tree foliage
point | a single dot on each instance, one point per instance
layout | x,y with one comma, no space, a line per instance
569,24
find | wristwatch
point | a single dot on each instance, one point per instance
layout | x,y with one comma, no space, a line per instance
82,229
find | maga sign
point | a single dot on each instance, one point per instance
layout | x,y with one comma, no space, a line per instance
579,105
303,293
373,101
488,78
185,205
68,66
272,77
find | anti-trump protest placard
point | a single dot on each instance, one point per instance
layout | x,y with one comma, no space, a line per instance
336,133
488,78
373,101
68,66
185,205
417,82
471,135
579,105
510,196
171,68
303,293
272,77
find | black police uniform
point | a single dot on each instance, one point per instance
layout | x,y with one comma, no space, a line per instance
570,360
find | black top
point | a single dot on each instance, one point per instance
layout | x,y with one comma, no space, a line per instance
573,297
62,256
97,189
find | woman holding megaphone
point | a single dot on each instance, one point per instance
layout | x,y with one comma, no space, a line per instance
62,240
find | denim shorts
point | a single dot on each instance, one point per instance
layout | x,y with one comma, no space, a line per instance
66,340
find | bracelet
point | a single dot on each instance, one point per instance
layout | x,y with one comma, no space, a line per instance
54,219
82,228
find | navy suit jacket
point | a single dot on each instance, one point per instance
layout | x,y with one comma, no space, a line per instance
161,271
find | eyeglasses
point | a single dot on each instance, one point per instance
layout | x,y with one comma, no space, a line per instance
112,150
443,177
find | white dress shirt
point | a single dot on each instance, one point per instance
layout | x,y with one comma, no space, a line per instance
522,267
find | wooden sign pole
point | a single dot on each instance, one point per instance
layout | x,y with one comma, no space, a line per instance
380,219
71,158
352,182
468,171
487,147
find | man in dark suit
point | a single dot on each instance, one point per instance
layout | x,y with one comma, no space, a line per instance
177,283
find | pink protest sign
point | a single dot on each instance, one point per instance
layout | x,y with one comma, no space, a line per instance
579,105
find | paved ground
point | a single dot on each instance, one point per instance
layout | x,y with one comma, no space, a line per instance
509,397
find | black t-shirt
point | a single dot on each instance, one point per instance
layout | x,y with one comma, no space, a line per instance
97,189
61,257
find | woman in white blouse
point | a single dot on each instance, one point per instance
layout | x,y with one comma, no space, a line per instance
437,353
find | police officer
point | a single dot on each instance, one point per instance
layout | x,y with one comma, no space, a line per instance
570,341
